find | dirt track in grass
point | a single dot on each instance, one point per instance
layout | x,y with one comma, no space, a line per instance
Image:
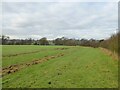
17,54
14,68
12,55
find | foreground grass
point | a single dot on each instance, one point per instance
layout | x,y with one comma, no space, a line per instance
16,49
80,67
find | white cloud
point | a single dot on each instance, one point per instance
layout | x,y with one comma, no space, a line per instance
60,0
52,20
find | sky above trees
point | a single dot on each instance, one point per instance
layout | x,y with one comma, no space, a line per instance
78,20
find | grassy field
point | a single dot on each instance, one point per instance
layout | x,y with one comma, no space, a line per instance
76,67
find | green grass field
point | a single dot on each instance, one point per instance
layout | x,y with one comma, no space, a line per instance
79,67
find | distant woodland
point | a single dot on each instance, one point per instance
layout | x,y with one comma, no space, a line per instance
110,43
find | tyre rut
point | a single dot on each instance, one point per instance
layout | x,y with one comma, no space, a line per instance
16,67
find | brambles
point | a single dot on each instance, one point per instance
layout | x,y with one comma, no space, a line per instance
112,43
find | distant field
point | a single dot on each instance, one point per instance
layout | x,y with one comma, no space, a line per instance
29,66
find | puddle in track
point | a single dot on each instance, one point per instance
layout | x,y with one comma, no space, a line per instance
16,67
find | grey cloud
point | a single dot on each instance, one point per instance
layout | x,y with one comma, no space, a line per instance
72,20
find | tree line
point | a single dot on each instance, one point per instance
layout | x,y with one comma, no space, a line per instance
43,41
110,43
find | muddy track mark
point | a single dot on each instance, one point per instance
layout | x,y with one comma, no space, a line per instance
61,48
17,54
14,68
12,55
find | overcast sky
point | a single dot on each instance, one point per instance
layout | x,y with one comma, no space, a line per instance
57,19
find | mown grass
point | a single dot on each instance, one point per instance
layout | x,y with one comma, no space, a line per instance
80,67
16,49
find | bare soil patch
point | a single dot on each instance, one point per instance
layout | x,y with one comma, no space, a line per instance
14,68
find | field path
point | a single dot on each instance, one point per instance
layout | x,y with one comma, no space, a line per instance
13,68
17,54
74,67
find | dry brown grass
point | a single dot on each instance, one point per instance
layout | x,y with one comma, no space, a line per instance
114,55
